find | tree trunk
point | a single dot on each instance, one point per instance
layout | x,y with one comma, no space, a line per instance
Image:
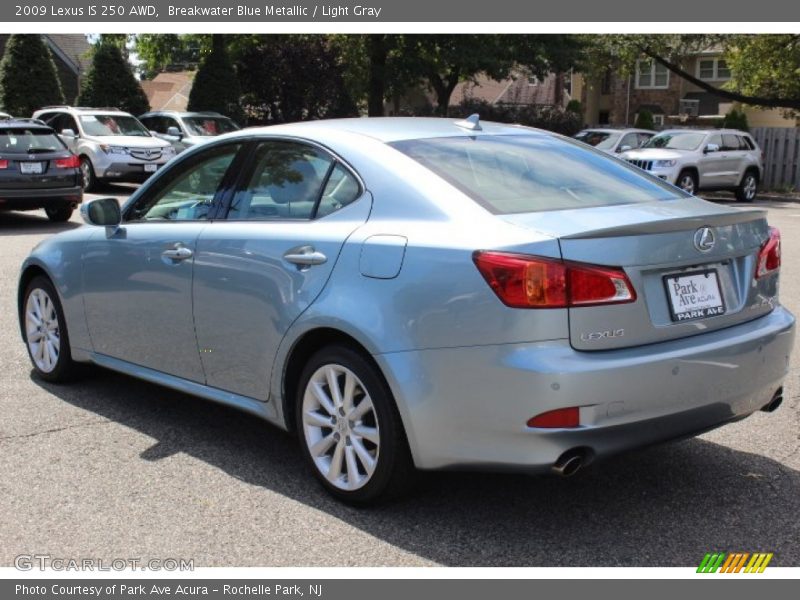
443,90
376,92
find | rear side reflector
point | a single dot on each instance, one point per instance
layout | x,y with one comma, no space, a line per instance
769,257
557,419
68,163
525,281
3,164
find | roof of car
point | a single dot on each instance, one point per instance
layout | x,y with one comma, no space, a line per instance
183,113
617,130
14,122
392,129
86,110
704,131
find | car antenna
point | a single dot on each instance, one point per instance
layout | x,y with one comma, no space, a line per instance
472,122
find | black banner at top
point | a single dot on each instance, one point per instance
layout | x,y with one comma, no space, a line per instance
392,11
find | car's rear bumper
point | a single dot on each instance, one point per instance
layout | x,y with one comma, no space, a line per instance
469,406
33,198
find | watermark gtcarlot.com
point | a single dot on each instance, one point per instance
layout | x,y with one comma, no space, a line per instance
43,562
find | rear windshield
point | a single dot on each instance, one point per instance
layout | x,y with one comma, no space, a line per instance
526,173
676,140
209,125
28,141
103,125
604,140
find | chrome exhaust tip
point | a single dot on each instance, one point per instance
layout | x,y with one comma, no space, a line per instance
569,463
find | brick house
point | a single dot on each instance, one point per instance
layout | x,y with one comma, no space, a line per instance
72,56
616,100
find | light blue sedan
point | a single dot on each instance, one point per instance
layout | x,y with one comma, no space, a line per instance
422,294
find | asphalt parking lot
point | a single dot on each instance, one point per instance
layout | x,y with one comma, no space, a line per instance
111,467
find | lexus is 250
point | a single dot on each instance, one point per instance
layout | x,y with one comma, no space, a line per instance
410,293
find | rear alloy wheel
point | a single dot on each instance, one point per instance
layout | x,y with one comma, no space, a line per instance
687,181
748,188
45,332
58,214
349,428
87,173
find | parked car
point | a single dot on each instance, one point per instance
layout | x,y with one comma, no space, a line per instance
614,141
37,170
112,145
703,160
186,129
425,293
4,116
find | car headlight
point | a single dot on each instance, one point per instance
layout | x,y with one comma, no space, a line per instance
661,164
168,151
113,149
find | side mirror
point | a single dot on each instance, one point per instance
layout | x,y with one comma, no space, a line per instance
68,133
711,148
174,132
624,148
103,212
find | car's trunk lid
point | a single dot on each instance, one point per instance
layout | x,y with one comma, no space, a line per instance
681,289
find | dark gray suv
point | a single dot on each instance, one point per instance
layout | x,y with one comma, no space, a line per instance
37,170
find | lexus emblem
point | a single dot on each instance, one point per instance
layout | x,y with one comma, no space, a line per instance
704,239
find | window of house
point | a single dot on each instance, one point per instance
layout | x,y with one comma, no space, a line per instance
650,74
658,120
713,69
605,83
604,117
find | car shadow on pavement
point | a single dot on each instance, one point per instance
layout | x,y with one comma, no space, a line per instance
31,223
663,506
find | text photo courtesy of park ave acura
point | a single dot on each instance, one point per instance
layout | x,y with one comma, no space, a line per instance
383,299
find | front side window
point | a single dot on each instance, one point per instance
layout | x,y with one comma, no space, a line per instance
108,125
209,126
287,183
187,190
525,173
650,74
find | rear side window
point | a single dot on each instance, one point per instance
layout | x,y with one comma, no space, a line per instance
29,141
515,174
731,142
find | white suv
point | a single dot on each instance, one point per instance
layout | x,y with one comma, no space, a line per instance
112,145
707,159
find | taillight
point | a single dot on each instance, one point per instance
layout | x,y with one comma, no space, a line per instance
3,164
769,257
524,281
68,163
557,419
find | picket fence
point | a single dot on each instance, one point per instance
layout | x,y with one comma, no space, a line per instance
781,146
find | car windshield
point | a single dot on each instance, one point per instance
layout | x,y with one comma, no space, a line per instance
107,125
526,173
676,140
209,125
28,141
605,140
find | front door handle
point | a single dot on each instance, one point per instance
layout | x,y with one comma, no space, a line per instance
177,252
305,256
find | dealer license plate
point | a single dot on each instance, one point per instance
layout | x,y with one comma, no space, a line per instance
150,168
694,295
31,168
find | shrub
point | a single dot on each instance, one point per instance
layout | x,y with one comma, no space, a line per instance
216,86
644,120
735,119
28,76
544,117
110,82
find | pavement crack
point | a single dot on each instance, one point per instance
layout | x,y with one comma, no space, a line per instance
54,430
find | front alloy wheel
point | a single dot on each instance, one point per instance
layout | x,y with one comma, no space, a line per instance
45,331
687,183
748,188
349,428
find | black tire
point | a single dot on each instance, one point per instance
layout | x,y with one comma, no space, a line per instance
748,187
64,368
687,181
394,473
90,182
58,214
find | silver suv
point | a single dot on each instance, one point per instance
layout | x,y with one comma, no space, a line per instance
112,145
614,141
703,159
186,129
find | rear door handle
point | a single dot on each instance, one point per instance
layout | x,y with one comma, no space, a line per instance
177,252
305,256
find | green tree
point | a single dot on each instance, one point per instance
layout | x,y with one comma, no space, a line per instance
159,51
736,119
110,81
28,76
765,67
216,86
444,61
